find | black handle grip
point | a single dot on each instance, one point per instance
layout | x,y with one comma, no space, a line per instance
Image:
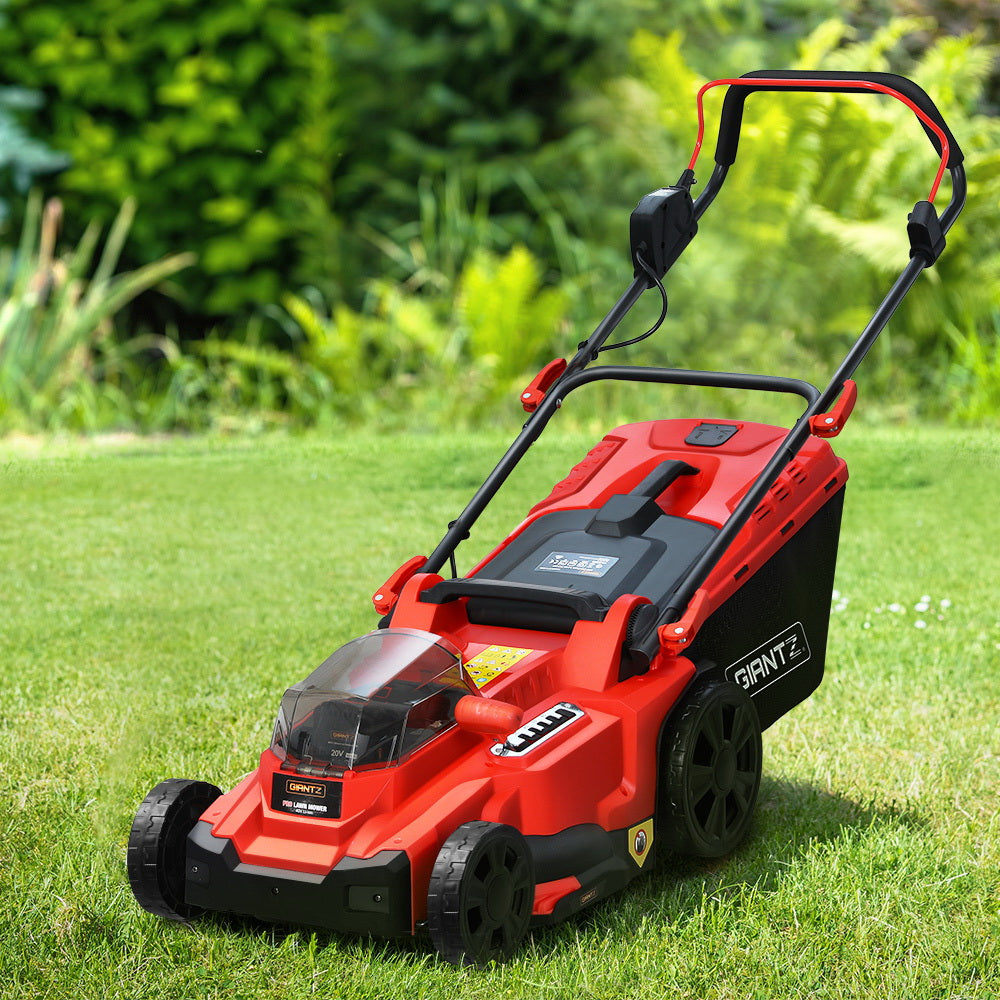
584,604
732,107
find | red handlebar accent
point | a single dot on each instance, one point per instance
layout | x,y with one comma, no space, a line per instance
828,425
532,397
826,85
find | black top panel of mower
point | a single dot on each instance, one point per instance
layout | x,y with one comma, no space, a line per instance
558,550
629,546
570,565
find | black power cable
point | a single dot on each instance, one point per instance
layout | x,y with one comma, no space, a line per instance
663,312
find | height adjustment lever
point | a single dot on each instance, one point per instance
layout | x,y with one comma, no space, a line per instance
535,392
828,425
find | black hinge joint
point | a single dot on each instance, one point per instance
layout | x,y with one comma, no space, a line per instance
924,229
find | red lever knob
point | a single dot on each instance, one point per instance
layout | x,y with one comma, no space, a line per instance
829,425
386,596
541,383
487,715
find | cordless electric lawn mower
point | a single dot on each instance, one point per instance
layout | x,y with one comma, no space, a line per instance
507,747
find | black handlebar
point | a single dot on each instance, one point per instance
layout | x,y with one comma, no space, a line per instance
732,107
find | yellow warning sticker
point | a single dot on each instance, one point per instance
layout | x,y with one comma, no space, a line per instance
492,662
640,840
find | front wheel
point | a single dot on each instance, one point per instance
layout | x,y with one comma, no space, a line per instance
157,845
710,765
481,894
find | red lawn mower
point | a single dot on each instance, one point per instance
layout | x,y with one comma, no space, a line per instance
510,746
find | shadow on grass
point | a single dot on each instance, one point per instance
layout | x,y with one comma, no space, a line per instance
798,813
790,817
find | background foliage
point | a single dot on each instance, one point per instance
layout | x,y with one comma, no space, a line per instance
59,362
214,118
386,197
261,132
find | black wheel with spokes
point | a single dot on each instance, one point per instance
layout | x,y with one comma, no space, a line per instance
710,771
157,845
481,893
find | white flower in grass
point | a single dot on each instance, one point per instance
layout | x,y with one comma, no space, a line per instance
920,623
897,609
944,602
922,605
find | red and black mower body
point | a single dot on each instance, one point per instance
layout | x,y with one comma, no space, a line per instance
508,746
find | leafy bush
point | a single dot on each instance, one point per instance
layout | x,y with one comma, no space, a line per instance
262,134
780,279
482,159
407,353
470,90
950,18
229,384
214,118
58,365
974,379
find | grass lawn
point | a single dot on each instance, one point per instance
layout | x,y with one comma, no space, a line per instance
158,597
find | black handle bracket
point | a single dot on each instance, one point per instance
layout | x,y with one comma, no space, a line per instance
924,230
661,227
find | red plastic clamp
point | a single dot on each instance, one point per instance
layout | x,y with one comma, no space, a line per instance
386,596
541,383
676,635
829,425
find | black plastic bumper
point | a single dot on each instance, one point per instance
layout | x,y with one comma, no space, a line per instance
358,896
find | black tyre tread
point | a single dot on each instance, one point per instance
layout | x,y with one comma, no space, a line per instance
444,896
155,858
678,830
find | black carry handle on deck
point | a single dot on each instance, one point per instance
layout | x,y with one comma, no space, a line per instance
732,106
584,604
662,477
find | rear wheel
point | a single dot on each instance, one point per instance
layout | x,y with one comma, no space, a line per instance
157,845
710,767
481,894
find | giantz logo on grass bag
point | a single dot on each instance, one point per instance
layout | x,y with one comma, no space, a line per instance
775,658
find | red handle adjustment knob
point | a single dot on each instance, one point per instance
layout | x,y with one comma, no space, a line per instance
532,397
386,596
829,425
